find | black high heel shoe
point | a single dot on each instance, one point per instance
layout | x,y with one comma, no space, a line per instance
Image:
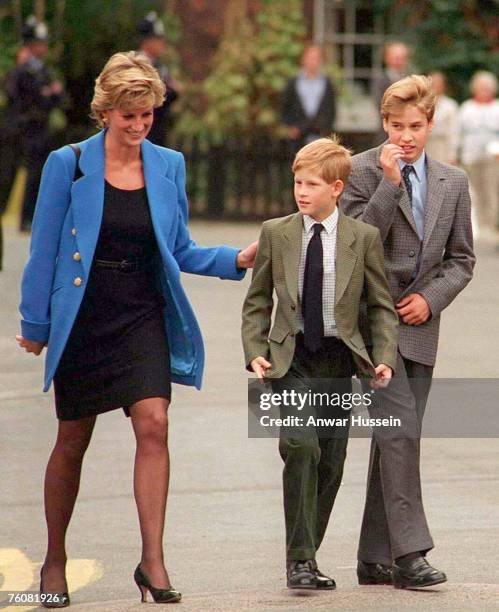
52,600
159,595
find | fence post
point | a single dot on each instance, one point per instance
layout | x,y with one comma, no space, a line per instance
216,181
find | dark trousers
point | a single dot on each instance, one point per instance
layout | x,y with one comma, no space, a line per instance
313,463
394,522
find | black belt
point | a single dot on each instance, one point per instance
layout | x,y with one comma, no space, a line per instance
132,265
327,341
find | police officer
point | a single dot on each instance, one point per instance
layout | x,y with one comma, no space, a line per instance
36,94
153,43
10,149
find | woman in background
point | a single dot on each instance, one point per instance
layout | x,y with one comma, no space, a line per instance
479,126
443,140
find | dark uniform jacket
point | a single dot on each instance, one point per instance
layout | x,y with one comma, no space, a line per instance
161,114
293,113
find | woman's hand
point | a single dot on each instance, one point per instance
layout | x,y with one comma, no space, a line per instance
31,346
246,257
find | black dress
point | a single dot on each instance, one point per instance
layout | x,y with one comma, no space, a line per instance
117,352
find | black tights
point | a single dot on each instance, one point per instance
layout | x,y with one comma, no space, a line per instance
151,478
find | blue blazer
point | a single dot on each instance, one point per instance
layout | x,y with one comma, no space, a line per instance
66,227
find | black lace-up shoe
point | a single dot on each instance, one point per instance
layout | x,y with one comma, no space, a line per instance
417,573
374,573
324,582
301,574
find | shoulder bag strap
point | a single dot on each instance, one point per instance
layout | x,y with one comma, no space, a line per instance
77,151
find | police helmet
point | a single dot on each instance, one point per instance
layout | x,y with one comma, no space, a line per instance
34,30
151,26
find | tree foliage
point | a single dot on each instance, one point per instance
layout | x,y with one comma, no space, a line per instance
455,36
241,91
83,37
255,58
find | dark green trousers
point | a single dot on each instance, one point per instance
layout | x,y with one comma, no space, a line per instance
313,458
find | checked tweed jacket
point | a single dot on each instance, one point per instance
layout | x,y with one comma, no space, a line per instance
446,258
359,265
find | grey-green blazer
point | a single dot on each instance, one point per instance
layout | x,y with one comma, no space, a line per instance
359,263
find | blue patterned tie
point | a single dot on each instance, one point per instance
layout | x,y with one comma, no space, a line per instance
406,171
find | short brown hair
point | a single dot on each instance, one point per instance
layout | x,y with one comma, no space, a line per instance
327,157
416,90
128,80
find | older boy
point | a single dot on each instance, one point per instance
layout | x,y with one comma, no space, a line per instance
318,262
422,210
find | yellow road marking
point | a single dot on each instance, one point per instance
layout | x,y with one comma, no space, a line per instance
17,573
16,569
12,212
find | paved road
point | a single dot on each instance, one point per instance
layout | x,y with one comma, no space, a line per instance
224,532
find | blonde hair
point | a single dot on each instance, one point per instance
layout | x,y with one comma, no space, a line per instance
327,157
416,90
127,81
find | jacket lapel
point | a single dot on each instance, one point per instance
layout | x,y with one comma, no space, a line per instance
291,254
434,198
161,194
346,258
405,206
87,198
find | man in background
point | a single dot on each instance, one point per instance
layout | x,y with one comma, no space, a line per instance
396,58
35,93
153,44
10,151
309,101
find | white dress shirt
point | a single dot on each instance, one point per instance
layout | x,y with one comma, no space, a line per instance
310,91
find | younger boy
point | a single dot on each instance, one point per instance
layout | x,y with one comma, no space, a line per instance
318,262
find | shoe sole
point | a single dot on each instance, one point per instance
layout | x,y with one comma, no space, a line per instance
325,588
311,587
371,581
419,586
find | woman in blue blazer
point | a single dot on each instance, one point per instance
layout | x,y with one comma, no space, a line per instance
102,291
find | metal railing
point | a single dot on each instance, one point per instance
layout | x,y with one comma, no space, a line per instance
247,179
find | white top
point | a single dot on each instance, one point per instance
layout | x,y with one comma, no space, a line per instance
310,91
479,126
445,133
328,238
